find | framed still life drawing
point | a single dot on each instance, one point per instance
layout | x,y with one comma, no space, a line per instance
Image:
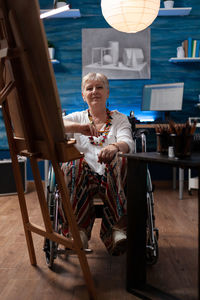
116,54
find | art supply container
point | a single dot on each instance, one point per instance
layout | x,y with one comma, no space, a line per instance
182,145
163,142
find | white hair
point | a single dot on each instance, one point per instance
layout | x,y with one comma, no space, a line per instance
94,76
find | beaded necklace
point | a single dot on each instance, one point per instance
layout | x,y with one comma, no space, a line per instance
103,135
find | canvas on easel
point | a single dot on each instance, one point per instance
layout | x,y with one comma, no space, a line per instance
33,120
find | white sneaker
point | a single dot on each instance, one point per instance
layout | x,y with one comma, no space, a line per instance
119,242
84,240
119,235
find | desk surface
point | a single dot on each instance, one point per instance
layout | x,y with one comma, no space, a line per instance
191,162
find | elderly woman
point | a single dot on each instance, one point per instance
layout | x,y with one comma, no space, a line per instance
100,134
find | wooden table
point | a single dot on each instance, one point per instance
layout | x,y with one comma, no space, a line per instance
151,125
147,125
136,231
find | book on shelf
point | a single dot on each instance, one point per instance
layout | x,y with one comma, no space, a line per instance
197,53
189,47
185,47
194,45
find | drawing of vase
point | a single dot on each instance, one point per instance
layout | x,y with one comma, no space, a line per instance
114,49
127,57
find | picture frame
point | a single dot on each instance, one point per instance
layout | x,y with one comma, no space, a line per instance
116,54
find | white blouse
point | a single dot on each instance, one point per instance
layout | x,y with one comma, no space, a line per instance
120,130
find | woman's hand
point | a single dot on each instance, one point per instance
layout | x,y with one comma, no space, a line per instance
89,130
107,153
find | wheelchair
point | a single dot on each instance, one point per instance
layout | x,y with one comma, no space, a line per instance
52,249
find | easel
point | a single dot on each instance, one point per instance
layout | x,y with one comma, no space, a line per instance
33,119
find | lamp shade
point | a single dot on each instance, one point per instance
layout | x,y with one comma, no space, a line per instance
130,15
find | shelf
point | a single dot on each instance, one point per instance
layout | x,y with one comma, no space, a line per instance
70,13
55,61
75,13
176,11
184,60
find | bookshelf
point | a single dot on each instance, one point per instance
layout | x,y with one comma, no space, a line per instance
185,60
176,11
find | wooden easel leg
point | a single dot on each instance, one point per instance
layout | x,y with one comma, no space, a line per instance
19,185
71,219
75,232
41,194
87,274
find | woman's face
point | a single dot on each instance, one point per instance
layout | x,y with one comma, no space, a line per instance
95,93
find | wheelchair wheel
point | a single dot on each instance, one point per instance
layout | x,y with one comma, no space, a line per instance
152,251
50,247
151,233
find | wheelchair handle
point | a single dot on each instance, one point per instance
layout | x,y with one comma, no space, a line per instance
139,132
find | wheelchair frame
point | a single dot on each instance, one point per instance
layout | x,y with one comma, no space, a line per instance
51,248
53,198
152,232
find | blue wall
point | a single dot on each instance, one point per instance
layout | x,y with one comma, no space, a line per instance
167,33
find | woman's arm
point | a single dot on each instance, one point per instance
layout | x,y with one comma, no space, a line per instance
123,133
124,141
122,146
85,129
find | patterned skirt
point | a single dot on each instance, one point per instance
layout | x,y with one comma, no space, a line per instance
83,184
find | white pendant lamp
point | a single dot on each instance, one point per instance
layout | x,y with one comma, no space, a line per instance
130,15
